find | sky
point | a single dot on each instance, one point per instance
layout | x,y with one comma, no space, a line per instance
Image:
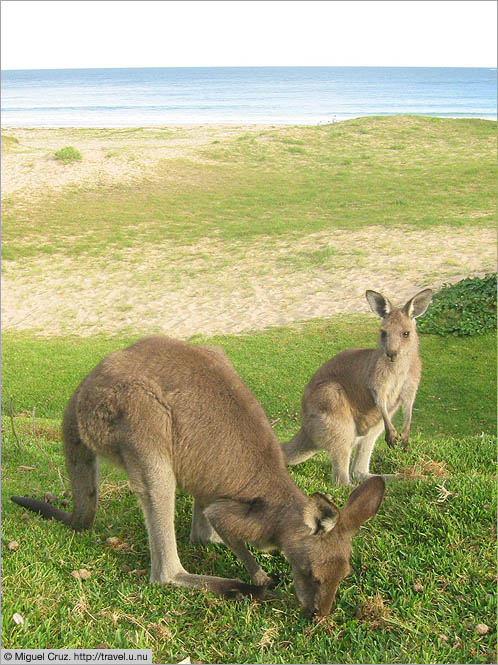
140,33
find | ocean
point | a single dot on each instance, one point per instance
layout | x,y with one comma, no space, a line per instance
240,95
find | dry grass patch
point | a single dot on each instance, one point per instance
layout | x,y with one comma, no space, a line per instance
424,467
270,635
373,612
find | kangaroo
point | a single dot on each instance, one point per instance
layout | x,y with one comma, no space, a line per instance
354,395
170,414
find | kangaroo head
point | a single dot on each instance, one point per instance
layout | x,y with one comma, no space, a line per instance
398,330
320,560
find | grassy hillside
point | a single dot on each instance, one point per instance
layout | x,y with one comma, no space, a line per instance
409,171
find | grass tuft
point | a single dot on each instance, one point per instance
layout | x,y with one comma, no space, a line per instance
68,155
425,467
9,142
373,612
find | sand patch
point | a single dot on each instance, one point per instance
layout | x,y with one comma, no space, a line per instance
109,156
211,287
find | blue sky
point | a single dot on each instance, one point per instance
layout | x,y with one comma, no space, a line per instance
130,33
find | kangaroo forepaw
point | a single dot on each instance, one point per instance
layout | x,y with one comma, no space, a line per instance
260,578
221,586
391,438
267,581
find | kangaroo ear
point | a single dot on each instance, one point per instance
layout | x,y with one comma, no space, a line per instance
418,304
363,503
378,304
320,513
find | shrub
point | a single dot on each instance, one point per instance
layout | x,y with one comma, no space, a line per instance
465,308
68,154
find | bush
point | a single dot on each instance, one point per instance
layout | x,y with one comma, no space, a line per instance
68,154
465,308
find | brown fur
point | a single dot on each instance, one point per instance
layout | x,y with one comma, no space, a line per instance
172,414
353,396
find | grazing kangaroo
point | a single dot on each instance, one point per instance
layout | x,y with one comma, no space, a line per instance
171,413
354,395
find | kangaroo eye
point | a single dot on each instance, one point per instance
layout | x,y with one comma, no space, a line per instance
406,334
383,334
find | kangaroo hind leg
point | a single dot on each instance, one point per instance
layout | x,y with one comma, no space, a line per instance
360,468
339,446
331,427
154,484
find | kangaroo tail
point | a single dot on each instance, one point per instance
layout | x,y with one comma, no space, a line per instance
298,449
82,467
46,510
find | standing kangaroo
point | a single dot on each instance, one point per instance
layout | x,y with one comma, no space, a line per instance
354,395
171,413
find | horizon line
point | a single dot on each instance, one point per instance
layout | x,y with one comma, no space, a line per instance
30,69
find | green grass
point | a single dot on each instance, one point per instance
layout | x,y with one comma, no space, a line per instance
276,364
289,180
447,546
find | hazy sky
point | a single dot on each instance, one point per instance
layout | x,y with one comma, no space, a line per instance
131,33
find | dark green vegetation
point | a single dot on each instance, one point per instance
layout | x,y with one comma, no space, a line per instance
400,171
67,155
436,530
465,308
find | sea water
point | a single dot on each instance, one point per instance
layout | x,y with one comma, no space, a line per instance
266,95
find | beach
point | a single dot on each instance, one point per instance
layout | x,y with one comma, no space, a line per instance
209,285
